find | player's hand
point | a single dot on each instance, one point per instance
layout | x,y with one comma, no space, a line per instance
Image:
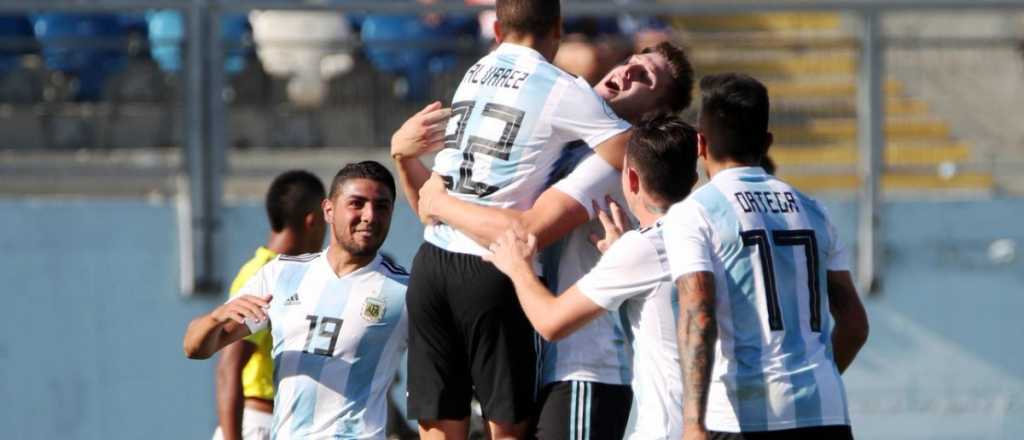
431,191
513,252
422,133
244,307
614,222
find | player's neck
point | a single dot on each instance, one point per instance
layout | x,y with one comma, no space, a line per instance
285,242
545,46
715,167
647,218
650,213
343,263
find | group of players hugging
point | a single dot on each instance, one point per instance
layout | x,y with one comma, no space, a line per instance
570,271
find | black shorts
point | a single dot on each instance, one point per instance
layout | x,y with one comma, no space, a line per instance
468,336
833,432
577,410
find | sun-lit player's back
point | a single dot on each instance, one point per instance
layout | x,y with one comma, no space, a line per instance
512,114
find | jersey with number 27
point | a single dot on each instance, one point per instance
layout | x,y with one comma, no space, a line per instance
337,344
511,116
769,248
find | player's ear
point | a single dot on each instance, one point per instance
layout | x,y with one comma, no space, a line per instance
702,146
327,206
498,34
768,139
634,180
310,220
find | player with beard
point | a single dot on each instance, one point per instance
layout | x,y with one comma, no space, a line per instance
337,318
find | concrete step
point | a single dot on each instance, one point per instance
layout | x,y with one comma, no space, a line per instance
839,130
776,22
831,89
976,183
781,65
803,109
899,155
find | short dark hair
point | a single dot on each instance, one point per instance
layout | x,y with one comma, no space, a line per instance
367,169
734,117
529,17
663,149
680,93
292,195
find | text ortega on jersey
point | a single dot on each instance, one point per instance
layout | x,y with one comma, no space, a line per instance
765,202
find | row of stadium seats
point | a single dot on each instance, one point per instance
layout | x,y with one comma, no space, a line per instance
81,53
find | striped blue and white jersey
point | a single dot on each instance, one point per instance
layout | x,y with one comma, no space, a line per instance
769,247
511,115
599,351
633,277
337,344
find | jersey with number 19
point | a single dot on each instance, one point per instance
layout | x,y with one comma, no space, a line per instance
511,116
337,344
769,248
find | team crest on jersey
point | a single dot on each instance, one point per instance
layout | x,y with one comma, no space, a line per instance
373,310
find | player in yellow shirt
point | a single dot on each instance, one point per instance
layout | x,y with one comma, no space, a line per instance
245,371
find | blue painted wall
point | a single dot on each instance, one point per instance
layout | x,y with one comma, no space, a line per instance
91,345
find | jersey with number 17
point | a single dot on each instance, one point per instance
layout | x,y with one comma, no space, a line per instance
337,344
512,114
770,249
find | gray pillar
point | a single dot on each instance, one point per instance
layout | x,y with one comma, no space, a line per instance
200,213
871,137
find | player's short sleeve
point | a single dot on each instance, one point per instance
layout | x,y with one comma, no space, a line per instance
688,239
583,115
838,255
592,179
257,285
629,268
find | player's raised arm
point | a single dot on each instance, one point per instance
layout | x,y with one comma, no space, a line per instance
557,211
851,328
209,333
423,133
613,150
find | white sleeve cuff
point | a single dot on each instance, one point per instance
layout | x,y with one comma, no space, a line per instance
590,181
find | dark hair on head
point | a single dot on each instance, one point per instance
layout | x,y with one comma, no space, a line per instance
367,169
680,93
734,117
293,195
663,150
528,17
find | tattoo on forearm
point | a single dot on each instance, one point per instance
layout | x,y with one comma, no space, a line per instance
698,332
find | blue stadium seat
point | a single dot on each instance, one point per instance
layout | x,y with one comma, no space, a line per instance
16,39
167,34
395,44
87,46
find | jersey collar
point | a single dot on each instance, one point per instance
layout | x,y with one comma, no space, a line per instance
517,49
740,172
369,267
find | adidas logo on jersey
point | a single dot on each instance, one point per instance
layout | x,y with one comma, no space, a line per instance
292,300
